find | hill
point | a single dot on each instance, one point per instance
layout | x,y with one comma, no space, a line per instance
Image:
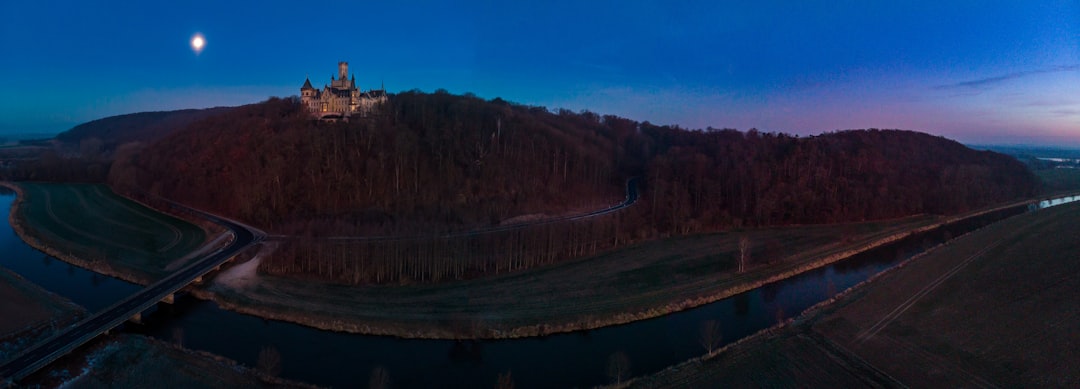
437,162
703,180
431,162
142,127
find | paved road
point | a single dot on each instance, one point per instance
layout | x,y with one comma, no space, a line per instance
631,198
62,343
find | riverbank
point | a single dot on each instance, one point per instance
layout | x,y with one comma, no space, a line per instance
643,281
989,308
135,361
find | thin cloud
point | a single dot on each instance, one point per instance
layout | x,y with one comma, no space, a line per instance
1050,103
990,81
1066,112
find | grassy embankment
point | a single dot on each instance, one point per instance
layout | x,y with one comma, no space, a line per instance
996,307
91,227
29,313
135,361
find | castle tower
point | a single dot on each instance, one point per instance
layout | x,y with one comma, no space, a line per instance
343,70
307,95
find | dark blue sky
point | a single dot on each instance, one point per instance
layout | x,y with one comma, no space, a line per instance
979,71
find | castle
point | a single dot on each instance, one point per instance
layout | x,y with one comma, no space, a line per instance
341,99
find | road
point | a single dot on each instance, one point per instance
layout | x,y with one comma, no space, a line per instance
43,353
630,199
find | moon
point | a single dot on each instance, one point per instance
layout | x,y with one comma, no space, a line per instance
197,43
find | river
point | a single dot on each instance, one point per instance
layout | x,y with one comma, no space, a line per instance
565,360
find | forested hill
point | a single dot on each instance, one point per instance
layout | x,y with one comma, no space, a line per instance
143,126
431,162
435,162
704,180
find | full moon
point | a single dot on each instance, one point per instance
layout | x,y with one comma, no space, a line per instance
197,43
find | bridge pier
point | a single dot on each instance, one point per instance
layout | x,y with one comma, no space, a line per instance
169,299
137,318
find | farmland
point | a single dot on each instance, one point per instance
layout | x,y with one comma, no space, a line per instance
962,315
94,228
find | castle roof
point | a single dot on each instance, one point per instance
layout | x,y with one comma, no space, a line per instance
307,84
374,93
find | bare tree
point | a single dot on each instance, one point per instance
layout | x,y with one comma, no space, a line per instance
744,252
618,367
711,335
270,361
505,381
380,378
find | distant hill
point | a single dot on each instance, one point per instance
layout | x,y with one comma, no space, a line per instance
438,161
144,126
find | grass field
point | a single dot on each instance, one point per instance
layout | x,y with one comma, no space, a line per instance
641,281
995,308
29,313
91,223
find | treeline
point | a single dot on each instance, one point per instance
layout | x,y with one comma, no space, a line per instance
717,179
51,164
435,259
428,163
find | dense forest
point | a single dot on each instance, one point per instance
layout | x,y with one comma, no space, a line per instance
705,180
428,164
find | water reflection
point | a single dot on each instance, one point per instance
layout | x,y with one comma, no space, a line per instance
467,352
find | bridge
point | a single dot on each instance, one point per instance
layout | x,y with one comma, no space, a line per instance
48,350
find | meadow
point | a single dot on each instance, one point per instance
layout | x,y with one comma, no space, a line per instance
89,225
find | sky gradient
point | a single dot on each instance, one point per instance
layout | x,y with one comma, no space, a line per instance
980,72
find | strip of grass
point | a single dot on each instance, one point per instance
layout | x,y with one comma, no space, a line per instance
996,307
103,231
637,282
